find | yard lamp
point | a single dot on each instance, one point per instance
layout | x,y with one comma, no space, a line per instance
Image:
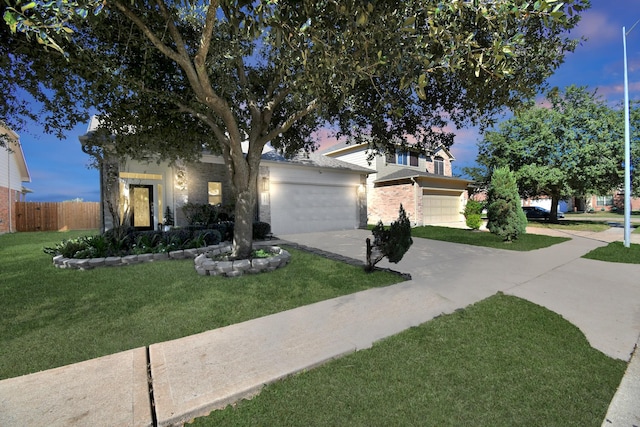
627,145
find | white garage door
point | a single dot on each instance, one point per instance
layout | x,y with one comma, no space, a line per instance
304,208
441,206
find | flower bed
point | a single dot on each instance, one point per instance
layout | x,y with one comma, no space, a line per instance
211,263
204,259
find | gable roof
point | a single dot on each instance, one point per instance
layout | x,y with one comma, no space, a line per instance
316,160
16,148
345,146
403,174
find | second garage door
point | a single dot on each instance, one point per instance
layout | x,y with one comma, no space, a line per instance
441,206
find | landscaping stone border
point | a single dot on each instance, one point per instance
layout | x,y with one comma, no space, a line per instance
86,264
204,265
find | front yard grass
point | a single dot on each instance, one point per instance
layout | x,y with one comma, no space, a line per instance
564,224
501,362
616,252
526,242
52,317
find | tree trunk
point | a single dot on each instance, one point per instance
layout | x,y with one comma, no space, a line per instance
243,229
553,215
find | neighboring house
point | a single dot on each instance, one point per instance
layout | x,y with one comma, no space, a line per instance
612,202
304,194
13,172
424,185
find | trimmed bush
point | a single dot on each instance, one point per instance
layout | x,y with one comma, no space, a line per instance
505,214
473,221
392,242
261,230
473,214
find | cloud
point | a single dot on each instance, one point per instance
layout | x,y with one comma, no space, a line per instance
465,146
598,28
618,89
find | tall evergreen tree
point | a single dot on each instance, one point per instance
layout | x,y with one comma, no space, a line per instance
504,212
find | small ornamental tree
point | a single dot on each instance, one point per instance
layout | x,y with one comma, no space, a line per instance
473,214
392,243
505,214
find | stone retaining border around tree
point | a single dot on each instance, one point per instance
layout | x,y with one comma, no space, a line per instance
201,256
206,266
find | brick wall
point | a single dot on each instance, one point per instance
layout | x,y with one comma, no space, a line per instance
8,199
384,203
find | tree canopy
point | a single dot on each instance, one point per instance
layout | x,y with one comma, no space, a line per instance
572,147
172,78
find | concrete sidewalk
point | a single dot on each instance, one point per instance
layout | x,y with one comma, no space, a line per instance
197,374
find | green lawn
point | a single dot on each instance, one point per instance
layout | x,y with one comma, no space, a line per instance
51,317
571,225
526,242
616,252
501,362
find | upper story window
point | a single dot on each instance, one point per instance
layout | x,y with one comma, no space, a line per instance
413,159
391,158
438,166
403,158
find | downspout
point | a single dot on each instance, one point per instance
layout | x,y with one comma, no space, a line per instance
415,199
9,191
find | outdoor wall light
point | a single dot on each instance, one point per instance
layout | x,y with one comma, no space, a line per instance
265,184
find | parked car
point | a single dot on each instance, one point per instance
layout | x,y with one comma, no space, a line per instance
536,212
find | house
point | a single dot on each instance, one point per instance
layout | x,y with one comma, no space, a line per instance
13,173
424,185
303,194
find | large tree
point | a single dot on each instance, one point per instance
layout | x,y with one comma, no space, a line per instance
173,78
571,146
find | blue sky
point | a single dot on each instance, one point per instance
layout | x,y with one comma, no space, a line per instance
59,169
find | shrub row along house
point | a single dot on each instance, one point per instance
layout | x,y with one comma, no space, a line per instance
334,190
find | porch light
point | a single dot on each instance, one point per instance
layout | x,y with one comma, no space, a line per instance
265,184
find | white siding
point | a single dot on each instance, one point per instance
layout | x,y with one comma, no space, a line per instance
9,173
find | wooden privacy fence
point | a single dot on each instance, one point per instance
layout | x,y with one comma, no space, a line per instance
51,216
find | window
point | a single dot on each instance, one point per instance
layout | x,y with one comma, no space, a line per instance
413,159
391,158
402,158
438,166
604,201
215,193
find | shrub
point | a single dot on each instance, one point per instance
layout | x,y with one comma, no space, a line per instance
261,230
473,221
391,243
505,214
206,237
68,248
473,214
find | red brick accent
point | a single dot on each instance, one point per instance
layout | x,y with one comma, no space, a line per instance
7,198
384,203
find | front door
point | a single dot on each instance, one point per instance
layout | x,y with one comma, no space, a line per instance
141,199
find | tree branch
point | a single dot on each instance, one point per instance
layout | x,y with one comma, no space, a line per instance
289,122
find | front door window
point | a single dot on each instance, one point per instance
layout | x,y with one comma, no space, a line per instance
141,199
